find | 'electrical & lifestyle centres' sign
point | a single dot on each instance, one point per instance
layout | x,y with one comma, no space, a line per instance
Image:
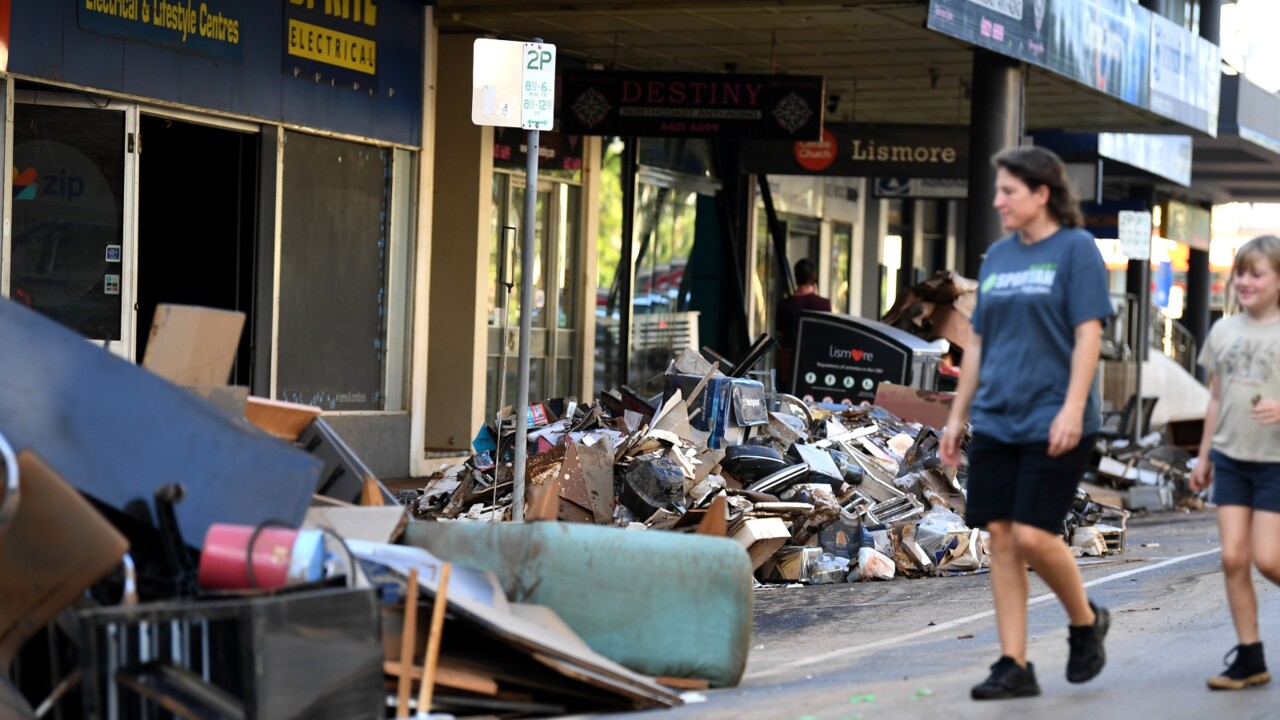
212,27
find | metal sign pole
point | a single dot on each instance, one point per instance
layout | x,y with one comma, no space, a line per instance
1135,241
526,325
1143,347
514,85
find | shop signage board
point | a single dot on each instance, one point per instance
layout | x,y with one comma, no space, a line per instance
1168,156
1102,220
669,104
843,359
920,188
858,150
1017,28
1187,224
1107,45
212,28
556,151
1186,75
1135,234
1103,44
332,43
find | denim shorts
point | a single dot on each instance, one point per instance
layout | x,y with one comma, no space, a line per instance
1020,482
1241,482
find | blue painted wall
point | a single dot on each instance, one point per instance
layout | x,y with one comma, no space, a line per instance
47,43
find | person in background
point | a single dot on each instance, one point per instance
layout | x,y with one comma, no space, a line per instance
805,297
1027,387
1240,448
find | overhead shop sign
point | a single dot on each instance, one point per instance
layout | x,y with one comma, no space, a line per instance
1187,224
212,27
335,43
920,188
1107,45
1168,156
1186,76
851,150
643,104
555,150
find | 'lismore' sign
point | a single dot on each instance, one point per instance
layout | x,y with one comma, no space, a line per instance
643,104
856,150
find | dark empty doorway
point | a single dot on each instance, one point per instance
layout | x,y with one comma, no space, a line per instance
197,220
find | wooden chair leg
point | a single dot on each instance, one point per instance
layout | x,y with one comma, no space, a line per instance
430,662
407,641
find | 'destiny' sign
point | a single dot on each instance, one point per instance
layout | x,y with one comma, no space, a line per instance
643,104
855,150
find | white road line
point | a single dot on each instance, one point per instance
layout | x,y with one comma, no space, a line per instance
827,656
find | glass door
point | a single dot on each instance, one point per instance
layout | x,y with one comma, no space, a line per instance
72,252
553,367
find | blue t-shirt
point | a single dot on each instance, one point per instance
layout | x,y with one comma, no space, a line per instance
1030,300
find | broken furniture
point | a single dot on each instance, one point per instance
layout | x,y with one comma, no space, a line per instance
610,588
117,432
500,655
304,655
53,547
1121,425
344,475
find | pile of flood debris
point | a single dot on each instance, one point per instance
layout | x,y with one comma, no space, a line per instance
171,545
814,493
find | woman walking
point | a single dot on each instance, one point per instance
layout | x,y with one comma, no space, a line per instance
1240,449
1027,387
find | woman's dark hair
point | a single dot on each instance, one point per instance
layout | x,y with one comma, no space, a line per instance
1036,167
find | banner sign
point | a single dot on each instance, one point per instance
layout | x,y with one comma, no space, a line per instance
1107,45
643,104
1102,44
920,188
556,151
1186,76
1168,156
332,43
854,150
1187,224
1102,220
1016,28
212,27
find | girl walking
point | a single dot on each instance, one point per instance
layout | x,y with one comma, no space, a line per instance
1240,449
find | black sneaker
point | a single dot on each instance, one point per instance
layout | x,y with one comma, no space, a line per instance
1247,669
1008,679
1087,652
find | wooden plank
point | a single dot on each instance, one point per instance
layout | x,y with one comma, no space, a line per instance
450,675
285,420
680,683
715,522
407,639
431,662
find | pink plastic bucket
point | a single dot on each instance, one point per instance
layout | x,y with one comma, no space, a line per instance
222,562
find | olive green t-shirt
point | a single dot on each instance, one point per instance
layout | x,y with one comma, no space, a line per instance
1244,356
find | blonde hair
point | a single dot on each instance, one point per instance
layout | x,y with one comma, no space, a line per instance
1262,247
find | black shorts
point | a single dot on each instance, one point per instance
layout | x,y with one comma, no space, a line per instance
1020,482
1242,482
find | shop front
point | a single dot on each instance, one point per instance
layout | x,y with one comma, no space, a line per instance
249,157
